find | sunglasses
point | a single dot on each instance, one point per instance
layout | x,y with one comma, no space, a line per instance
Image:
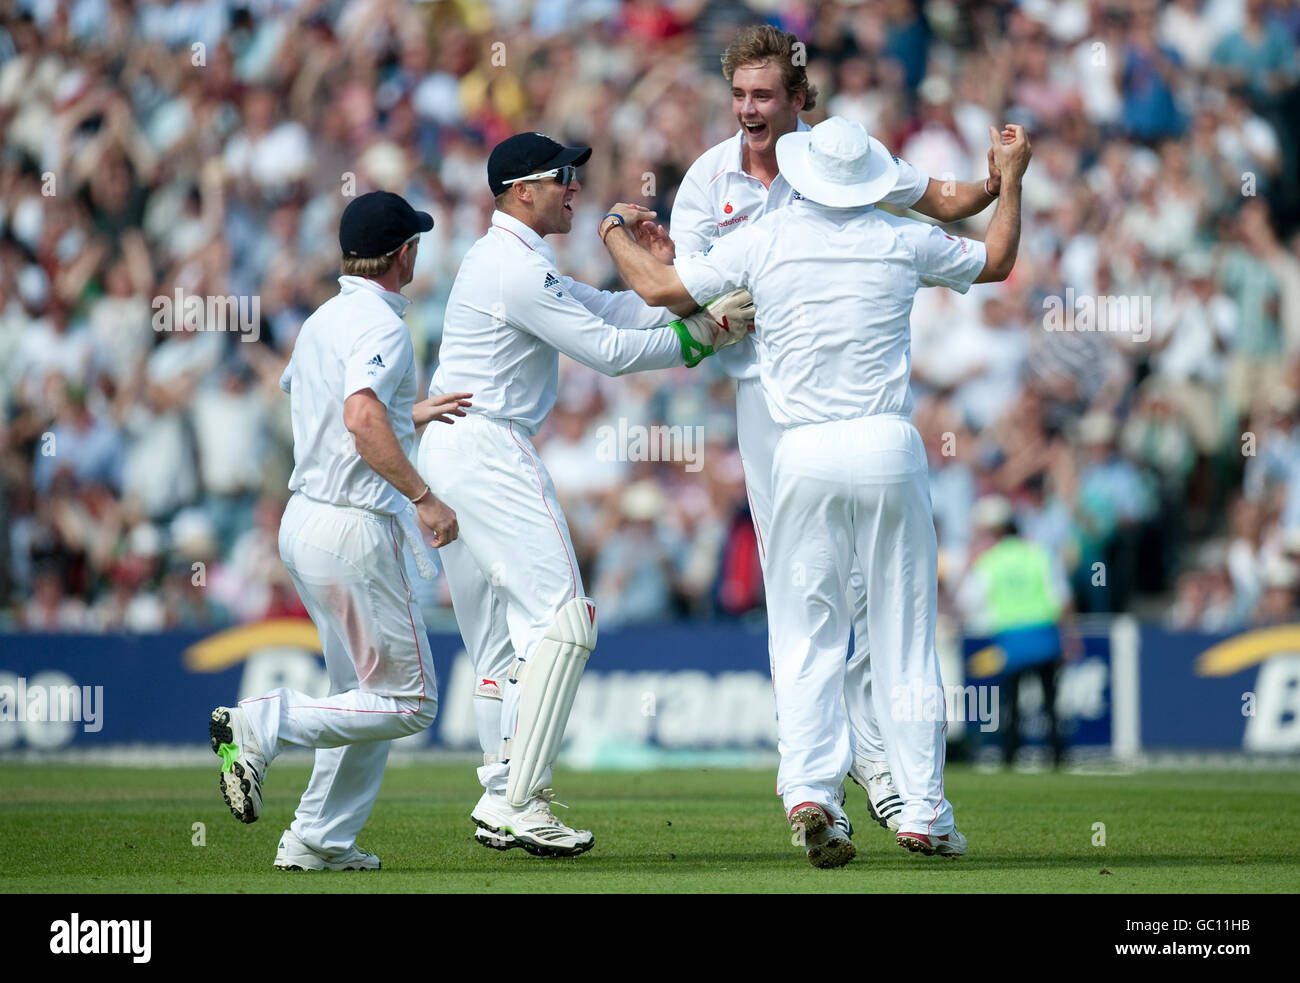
563,175
406,243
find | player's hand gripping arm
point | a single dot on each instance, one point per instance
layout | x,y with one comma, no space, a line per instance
657,283
1002,241
724,321
367,420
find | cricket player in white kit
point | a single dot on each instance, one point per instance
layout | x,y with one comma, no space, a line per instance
344,538
833,280
514,581
729,188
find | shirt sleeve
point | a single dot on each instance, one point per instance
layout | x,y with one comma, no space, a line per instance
691,223
552,313
721,268
943,260
286,377
378,361
910,185
622,308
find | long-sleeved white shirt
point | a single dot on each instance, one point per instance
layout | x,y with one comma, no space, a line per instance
718,197
511,313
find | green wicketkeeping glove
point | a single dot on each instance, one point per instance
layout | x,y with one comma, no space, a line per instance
721,322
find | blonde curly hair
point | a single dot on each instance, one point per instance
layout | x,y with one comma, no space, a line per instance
764,43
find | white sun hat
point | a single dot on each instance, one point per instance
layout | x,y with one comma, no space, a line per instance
837,164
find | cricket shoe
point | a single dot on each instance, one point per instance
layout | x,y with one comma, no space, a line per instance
534,827
825,838
243,766
294,854
951,845
489,808
883,801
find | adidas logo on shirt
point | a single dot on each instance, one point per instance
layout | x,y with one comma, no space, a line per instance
552,282
376,363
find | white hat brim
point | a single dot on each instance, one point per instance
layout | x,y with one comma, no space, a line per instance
796,166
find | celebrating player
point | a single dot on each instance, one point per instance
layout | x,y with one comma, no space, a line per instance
514,582
729,188
344,536
833,280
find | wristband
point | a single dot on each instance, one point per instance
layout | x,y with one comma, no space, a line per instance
693,353
420,498
619,221
987,191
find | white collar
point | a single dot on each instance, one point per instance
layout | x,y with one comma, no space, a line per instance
525,234
351,284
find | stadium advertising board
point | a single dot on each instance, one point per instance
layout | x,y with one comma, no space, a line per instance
1211,691
659,693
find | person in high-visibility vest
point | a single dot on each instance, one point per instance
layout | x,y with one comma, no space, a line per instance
1016,591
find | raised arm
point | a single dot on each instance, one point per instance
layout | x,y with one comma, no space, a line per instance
953,201
1002,241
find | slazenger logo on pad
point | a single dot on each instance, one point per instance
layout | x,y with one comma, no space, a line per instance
552,282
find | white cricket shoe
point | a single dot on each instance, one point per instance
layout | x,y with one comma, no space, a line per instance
534,827
883,801
489,808
825,838
294,854
243,766
951,845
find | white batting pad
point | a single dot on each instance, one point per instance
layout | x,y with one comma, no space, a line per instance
547,689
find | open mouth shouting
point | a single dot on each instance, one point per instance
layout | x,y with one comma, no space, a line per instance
755,129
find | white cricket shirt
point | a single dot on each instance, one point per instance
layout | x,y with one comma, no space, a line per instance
355,340
511,312
717,197
834,291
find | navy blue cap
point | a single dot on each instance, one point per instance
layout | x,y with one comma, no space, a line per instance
529,153
377,224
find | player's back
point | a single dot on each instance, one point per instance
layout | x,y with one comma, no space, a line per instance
355,340
834,291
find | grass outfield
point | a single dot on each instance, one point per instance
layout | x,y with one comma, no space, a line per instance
75,829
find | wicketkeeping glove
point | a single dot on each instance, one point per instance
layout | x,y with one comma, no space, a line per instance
721,322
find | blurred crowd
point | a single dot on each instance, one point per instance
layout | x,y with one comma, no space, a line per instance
1133,390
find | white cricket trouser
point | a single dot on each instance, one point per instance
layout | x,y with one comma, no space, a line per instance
349,569
856,489
757,434
511,569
